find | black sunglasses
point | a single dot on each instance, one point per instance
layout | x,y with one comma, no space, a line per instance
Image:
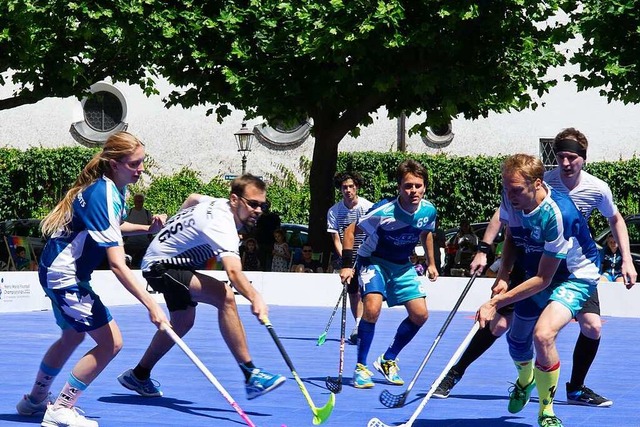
254,204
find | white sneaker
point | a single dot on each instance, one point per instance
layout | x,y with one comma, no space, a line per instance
27,408
65,417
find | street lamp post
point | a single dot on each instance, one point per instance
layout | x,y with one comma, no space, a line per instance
244,139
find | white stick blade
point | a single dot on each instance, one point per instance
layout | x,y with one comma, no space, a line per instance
375,422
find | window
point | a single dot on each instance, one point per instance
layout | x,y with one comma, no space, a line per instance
105,113
546,153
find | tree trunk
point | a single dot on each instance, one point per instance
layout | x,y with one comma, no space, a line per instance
323,168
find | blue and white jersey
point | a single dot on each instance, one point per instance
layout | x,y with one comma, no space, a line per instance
194,235
590,193
392,232
557,229
69,258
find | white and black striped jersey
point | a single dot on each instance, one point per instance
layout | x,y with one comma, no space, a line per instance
340,217
194,235
590,193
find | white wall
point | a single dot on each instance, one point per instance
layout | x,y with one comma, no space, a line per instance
21,292
180,137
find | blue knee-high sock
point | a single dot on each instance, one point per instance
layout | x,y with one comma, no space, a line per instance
366,330
405,333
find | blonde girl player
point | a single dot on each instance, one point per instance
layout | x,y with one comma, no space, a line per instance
86,225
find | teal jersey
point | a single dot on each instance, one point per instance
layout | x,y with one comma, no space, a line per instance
392,232
555,228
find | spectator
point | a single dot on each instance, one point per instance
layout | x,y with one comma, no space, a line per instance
250,258
439,245
611,261
307,263
267,224
135,246
417,265
281,255
466,242
22,262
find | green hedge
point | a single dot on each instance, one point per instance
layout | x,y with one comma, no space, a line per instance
33,180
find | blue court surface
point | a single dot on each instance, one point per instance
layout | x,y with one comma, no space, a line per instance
480,399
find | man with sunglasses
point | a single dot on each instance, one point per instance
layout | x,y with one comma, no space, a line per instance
307,264
205,227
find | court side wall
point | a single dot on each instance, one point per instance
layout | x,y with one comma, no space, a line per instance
21,292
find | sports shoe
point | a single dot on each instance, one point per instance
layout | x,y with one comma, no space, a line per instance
519,396
65,417
388,368
586,397
353,338
146,388
27,408
261,382
362,377
549,421
447,383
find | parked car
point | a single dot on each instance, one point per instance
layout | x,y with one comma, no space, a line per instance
633,226
296,235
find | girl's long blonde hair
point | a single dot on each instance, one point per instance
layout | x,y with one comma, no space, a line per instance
118,146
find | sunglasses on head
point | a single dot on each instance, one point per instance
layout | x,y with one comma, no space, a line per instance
254,204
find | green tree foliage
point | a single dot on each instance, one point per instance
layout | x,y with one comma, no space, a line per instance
333,62
608,57
59,48
338,62
36,179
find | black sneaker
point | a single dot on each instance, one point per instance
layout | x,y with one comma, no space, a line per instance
448,382
586,397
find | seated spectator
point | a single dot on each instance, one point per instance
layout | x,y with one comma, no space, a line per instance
307,264
419,266
611,261
22,262
466,242
250,255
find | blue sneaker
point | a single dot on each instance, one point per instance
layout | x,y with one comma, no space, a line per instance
261,382
362,377
519,396
146,388
388,368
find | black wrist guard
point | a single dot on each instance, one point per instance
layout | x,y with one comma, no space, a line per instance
484,247
347,258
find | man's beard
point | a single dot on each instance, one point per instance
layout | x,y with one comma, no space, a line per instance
247,227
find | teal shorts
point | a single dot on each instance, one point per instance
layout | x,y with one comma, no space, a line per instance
573,294
398,283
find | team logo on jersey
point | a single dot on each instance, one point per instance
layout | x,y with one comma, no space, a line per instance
536,233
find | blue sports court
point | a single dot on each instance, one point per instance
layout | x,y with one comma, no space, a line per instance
480,399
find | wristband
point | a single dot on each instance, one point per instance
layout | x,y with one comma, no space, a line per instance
347,258
484,247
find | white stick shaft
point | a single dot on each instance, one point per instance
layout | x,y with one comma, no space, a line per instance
183,346
452,361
